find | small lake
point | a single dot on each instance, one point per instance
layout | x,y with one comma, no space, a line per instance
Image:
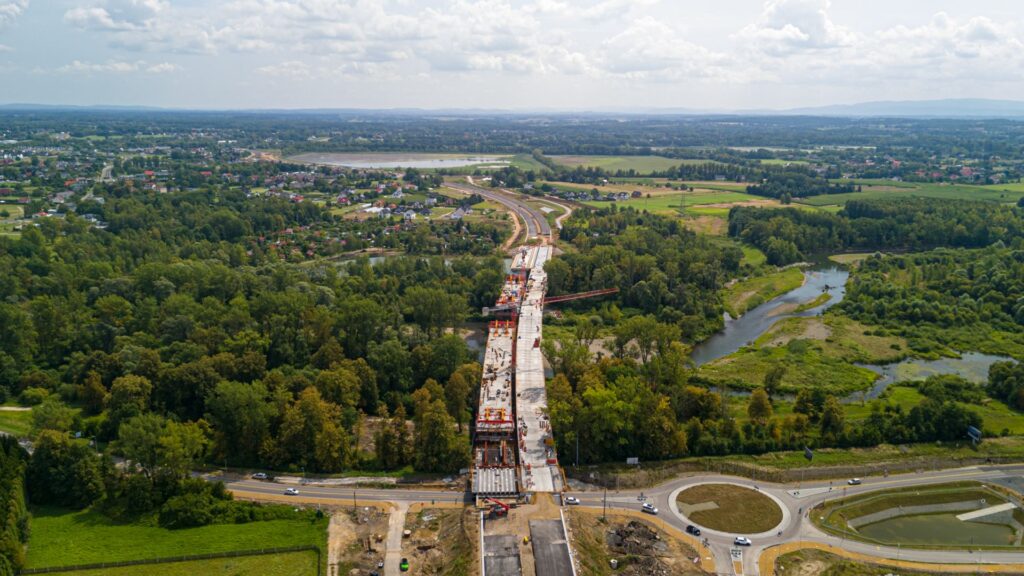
369,161
972,366
938,529
741,331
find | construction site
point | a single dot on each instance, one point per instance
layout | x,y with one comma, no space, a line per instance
513,450
515,472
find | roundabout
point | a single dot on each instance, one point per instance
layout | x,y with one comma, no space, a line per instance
730,508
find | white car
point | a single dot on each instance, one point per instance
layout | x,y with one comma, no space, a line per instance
742,541
649,508
259,476
572,501
291,491
853,481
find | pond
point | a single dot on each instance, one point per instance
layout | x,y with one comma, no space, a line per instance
391,160
938,529
742,331
972,366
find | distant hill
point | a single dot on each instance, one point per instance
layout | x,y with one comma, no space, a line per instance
950,108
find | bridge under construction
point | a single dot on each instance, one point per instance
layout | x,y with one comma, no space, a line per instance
513,449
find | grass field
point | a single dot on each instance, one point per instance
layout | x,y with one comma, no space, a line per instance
61,537
850,259
289,564
615,163
13,210
818,352
16,422
753,291
738,510
872,189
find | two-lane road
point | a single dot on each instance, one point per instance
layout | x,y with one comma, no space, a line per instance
536,224
798,500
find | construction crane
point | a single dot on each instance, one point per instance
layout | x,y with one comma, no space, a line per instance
512,306
500,508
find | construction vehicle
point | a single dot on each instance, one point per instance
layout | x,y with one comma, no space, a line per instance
500,509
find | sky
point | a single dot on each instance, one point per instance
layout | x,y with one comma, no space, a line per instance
508,54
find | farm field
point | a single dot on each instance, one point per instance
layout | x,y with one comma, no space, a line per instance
658,199
61,537
872,189
615,163
13,211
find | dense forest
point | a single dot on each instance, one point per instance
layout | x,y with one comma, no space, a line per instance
942,299
167,315
14,529
789,235
674,136
659,267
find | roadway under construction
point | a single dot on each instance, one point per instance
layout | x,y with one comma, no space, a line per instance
512,443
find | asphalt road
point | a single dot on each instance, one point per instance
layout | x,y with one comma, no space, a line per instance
797,500
536,224
348,493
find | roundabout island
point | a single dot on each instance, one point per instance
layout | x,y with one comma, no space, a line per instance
730,508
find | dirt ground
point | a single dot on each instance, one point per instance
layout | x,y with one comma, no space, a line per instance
355,541
517,523
442,542
814,329
712,225
640,547
818,563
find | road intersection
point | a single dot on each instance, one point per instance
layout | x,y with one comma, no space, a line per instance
795,501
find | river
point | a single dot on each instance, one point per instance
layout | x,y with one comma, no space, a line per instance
741,331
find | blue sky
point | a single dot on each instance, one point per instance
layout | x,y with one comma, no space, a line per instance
529,54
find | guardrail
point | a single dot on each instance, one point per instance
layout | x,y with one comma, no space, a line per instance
172,559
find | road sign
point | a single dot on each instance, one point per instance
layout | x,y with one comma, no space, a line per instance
808,454
974,433
632,461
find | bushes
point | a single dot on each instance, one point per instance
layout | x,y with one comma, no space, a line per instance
64,472
13,514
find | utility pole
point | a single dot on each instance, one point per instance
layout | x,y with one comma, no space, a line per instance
354,505
604,515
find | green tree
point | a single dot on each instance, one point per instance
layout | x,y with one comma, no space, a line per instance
438,448
759,407
311,435
52,414
773,379
138,438
833,420
63,472
241,416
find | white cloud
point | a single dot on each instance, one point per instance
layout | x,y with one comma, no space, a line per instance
118,15
788,42
10,10
652,50
117,67
787,27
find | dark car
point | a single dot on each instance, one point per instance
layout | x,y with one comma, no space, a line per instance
691,529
